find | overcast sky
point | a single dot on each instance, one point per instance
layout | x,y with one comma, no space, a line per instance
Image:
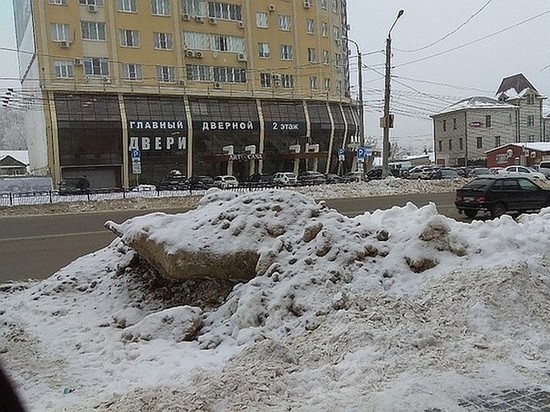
443,51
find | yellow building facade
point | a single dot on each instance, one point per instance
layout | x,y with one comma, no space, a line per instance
124,91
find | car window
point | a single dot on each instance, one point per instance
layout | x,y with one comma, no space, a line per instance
511,184
523,170
526,184
478,184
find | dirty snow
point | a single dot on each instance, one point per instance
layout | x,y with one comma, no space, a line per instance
395,310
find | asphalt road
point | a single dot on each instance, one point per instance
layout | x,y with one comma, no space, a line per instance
38,246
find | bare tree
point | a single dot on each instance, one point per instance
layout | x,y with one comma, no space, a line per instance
12,132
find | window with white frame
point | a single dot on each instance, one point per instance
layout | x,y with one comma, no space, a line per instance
132,72
311,55
326,57
324,29
339,86
287,81
531,138
323,4
96,66
60,32
530,120
530,99
313,82
91,2
166,74
336,33
286,52
199,73
129,6
265,79
129,38
337,59
195,40
261,20
93,30
285,22
58,2
63,69
225,11
163,41
327,84
263,50
160,7
335,6
227,43
194,7
310,26
229,74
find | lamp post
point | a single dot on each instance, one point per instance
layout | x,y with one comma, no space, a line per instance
386,118
360,85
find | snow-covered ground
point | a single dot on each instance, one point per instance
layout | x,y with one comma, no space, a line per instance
396,310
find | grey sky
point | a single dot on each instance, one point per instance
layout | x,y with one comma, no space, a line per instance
472,69
476,66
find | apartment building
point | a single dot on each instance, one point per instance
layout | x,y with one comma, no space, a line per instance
124,91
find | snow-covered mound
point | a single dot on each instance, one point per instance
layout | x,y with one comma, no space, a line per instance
401,309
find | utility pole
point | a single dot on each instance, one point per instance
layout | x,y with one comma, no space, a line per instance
360,96
387,94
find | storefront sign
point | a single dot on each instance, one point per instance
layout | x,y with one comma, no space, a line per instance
225,125
241,157
285,126
158,143
155,125
475,124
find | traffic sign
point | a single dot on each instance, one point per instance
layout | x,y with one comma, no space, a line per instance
135,154
361,153
342,154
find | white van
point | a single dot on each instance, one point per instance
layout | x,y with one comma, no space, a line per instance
544,167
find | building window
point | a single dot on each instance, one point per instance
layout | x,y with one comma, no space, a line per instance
530,120
63,69
265,79
497,141
132,72
261,20
59,2
287,81
338,86
310,26
263,50
531,138
227,43
194,7
440,145
311,55
324,29
199,73
327,84
454,123
160,7
479,142
60,32
229,75
285,22
163,41
336,33
129,38
91,2
129,6
193,40
93,30
450,145
96,66
166,74
326,57
323,4
444,125
225,11
461,143
335,6
530,99
337,59
313,82
286,52
488,120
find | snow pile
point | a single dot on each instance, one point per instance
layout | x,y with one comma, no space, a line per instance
401,309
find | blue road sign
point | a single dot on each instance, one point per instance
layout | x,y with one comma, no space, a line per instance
361,153
135,154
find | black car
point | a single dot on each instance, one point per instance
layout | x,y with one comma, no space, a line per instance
500,194
333,178
200,182
74,186
175,180
311,178
445,173
260,179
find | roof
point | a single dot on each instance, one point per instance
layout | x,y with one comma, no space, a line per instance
514,87
537,146
20,155
477,102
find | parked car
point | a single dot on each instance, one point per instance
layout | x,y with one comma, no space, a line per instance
354,177
498,194
544,167
174,180
420,172
496,170
201,182
523,171
225,181
478,172
260,179
333,178
74,186
285,178
445,173
311,177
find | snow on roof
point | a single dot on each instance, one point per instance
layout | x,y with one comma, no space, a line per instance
538,146
20,155
514,87
477,102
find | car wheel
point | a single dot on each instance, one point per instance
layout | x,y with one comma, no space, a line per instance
498,210
470,213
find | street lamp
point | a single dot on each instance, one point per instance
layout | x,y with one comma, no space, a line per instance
386,119
360,85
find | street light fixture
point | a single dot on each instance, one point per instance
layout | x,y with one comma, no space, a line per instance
387,119
360,85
